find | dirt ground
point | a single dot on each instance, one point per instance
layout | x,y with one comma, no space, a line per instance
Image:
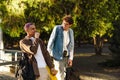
85,65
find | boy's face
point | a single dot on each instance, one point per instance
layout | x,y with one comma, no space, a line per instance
65,25
31,30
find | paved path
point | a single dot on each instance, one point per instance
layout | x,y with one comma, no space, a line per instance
7,76
86,65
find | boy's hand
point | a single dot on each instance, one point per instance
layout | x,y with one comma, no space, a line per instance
37,34
69,63
53,71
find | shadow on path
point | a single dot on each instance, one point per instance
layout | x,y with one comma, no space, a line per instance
86,65
6,76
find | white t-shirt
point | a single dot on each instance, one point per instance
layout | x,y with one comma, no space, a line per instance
39,57
66,40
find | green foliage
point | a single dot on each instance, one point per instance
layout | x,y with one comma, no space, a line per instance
97,17
12,17
91,17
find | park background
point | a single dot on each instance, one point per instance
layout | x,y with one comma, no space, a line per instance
96,22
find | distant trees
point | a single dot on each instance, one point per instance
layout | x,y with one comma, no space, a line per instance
95,20
92,18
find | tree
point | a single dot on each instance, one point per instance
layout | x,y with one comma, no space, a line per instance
92,18
17,13
96,20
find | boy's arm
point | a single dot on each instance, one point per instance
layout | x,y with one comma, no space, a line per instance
51,41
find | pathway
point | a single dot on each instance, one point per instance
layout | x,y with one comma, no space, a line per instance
86,65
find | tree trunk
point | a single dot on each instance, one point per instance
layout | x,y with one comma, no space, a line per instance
98,44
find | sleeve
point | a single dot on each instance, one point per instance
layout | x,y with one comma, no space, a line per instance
71,45
51,41
47,56
27,46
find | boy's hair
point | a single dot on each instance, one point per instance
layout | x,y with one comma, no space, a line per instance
27,25
68,19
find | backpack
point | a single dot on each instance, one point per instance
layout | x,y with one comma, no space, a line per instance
25,70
